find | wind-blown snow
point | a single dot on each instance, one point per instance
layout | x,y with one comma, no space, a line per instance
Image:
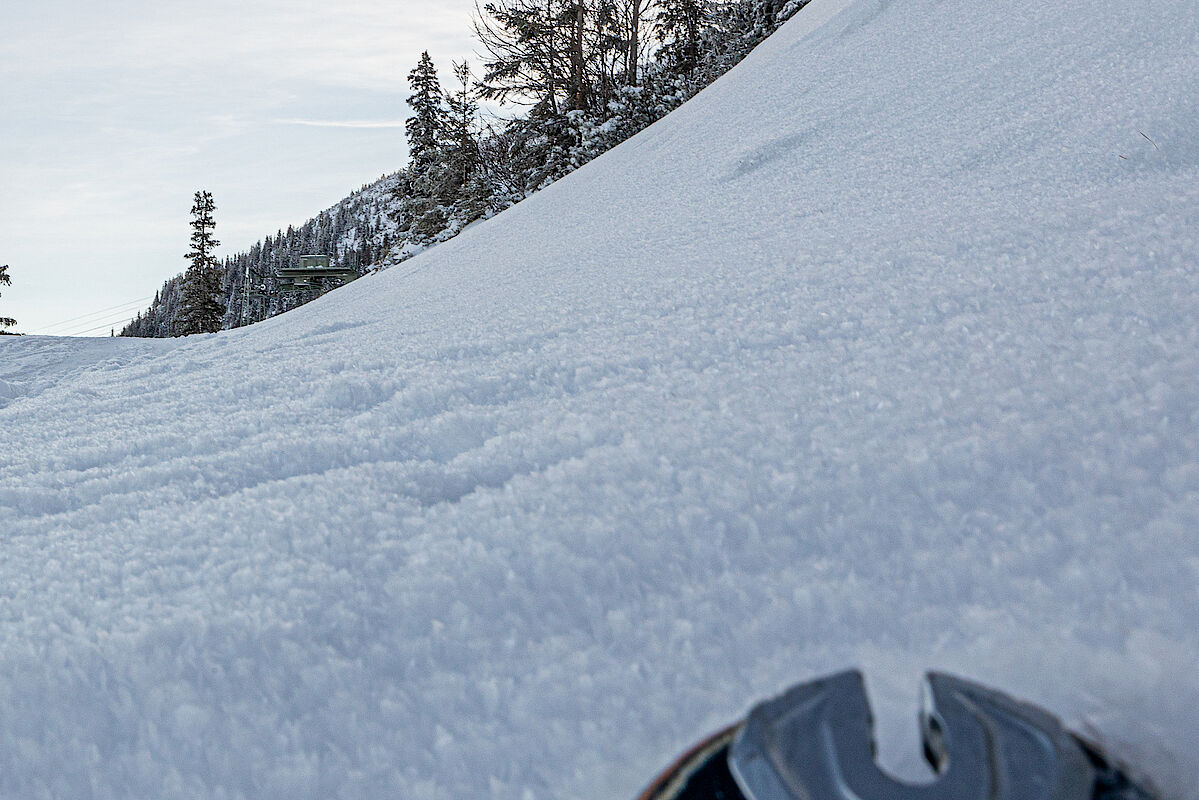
884,351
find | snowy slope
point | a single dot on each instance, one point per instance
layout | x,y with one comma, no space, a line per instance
884,351
37,363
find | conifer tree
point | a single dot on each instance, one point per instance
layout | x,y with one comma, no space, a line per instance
679,27
426,131
426,127
202,307
5,322
462,156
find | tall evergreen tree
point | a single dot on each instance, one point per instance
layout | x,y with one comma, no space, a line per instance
5,322
426,127
426,130
202,309
462,145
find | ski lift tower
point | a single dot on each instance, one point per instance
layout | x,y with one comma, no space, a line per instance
253,288
313,272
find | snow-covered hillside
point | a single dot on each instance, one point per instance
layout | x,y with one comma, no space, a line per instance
897,365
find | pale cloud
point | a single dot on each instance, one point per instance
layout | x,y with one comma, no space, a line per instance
365,43
77,202
327,123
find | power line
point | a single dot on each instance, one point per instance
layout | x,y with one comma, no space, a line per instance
47,328
110,325
96,324
90,316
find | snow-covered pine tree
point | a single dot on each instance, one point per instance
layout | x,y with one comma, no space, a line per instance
426,130
202,307
463,159
5,322
426,126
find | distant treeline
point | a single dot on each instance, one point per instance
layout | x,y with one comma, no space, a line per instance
590,74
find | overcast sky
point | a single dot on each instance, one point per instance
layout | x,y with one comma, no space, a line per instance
113,114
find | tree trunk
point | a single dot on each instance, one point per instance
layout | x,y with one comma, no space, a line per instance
578,77
634,43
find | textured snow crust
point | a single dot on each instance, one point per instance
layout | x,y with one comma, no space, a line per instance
882,351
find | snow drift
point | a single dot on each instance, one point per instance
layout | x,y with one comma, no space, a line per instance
884,350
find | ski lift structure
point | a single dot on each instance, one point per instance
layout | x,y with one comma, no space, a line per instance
313,273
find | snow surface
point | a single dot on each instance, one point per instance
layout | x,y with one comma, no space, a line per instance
884,351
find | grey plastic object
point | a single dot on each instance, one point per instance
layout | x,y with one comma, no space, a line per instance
816,742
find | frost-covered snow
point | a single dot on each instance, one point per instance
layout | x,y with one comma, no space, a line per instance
884,351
